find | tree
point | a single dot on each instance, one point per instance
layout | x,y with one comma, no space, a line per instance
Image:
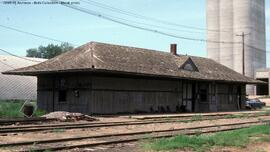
66,47
48,51
33,53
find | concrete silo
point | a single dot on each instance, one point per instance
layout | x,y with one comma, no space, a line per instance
213,29
226,32
237,17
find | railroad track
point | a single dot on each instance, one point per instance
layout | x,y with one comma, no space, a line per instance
108,139
7,121
202,115
24,120
37,128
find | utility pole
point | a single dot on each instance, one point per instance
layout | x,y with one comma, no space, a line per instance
243,50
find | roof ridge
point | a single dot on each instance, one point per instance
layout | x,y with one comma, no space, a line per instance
118,58
145,49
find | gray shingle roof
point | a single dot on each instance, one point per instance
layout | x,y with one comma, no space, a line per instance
95,56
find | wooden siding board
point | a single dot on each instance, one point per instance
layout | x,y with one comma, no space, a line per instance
108,95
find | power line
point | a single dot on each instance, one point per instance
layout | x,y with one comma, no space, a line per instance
132,14
32,34
97,14
246,45
114,20
157,26
139,16
256,49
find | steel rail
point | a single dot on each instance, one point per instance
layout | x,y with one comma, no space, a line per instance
24,121
95,125
188,116
128,134
159,118
29,120
124,134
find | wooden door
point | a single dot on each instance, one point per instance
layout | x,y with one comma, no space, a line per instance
189,96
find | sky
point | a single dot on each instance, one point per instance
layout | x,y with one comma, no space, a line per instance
68,25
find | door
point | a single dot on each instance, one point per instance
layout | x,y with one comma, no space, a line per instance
188,96
213,98
239,96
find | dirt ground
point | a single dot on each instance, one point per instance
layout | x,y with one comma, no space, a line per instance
267,101
118,129
186,114
130,147
253,147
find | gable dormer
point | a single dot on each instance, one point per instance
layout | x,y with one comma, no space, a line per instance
189,65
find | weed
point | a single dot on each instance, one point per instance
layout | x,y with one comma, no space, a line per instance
11,109
264,139
238,138
197,118
39,112
229,116
58,130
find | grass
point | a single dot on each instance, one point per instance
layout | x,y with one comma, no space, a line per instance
197,118
238,138
11,109
264,139
265,112
264,97
33,150
58,130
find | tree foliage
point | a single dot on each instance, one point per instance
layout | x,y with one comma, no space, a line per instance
48,51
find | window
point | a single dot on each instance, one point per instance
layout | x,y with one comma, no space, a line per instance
189,65
203,95
203,91
62,83
62,96
62,92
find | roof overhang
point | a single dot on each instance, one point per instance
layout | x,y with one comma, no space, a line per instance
93,70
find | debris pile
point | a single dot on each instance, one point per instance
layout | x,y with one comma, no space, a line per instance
67,116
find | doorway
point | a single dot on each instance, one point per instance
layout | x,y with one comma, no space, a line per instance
239,96
189,96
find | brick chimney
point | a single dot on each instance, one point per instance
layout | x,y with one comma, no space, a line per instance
174,49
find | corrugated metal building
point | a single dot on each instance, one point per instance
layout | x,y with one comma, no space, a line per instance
14,87
98,78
